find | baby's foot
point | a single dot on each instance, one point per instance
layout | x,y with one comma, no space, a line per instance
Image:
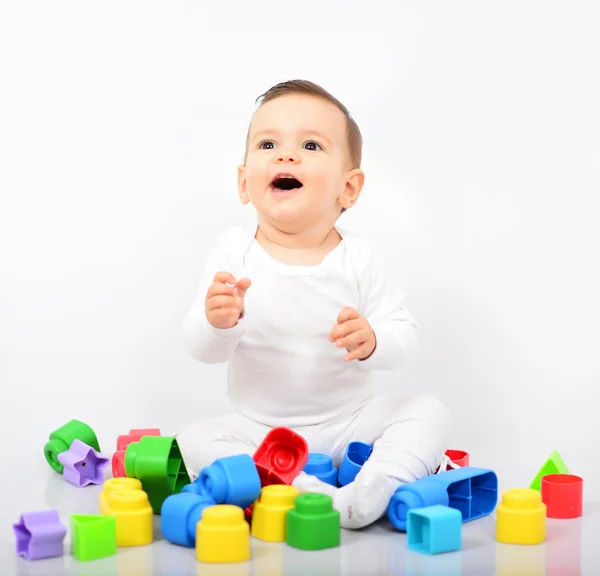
363,501
307,483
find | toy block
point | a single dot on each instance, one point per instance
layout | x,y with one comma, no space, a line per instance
356,454
180,515
313,524
270,512
123,441
156,461
93,536
82,465
554,465
472,491
434,529
61,439
521,517
321,466
39,535
563,495
281,456
231,480
124,499
458,459
222,535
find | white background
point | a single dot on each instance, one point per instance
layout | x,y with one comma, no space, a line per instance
121,127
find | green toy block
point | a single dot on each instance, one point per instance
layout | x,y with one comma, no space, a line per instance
157,463
313,524
554,465
93,536
61,439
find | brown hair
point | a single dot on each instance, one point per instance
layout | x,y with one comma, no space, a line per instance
353,135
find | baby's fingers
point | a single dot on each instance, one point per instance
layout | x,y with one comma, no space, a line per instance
216,302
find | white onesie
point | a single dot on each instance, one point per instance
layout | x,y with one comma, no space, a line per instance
282,368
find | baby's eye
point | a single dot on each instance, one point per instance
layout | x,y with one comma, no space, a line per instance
263,145
313,144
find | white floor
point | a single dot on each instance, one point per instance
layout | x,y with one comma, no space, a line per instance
571,547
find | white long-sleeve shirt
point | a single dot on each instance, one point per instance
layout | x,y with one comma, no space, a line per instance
282,368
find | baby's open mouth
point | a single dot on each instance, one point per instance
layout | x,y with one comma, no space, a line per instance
284,182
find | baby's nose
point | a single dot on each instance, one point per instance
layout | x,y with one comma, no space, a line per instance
286,156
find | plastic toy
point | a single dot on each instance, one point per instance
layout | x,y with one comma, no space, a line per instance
357,453
123,441
113,484
554,465
223,535
434,529
231,480
563,495
321,466
313,524
62,438
180,515
458,459
93,537
156,461
472,491
521,517
82,464
270,510
130,507
39,535
281,456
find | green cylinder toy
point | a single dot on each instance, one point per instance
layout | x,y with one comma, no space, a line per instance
157,463
313,524
61,439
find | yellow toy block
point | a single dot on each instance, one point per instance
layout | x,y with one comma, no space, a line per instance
129,504
269,512
116,484
222,535
521,517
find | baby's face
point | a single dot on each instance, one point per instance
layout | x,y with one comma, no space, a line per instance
297,160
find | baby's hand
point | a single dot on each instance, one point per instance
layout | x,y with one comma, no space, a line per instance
353,332
225,300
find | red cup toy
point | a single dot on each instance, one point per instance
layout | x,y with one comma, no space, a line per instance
563,495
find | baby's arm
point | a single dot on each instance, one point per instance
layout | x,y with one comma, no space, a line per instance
214,325
382,303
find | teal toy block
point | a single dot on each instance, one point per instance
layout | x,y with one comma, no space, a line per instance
434,529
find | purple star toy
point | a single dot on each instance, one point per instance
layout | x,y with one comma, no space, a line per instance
82,464
39,535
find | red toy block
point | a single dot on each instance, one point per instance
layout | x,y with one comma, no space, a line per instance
123,441
459,458
281,456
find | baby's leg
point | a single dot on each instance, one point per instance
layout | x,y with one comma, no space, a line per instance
409,438
203,442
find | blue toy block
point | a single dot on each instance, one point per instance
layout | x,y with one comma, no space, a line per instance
321,466
472,491
434,529
179,515
357,453
231,480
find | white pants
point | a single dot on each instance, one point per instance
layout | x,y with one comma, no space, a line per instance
409,437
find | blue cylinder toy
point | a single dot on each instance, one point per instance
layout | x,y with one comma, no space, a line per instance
321,466
419,494
357,453
231,480
179,515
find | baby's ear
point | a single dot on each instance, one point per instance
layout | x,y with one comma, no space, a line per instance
355,180
242,187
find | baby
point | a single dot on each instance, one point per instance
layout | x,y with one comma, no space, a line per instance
303,311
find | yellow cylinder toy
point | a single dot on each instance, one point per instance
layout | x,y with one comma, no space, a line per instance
116,484
269,512
223,535
128,503
521,517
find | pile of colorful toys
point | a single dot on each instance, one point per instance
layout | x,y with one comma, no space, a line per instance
240,497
